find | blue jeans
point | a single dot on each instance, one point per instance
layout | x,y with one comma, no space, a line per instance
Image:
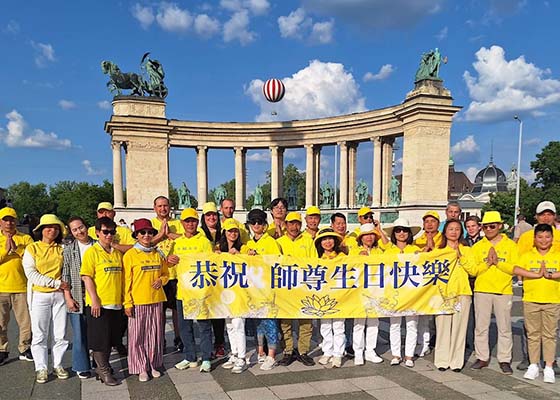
80,352
186,329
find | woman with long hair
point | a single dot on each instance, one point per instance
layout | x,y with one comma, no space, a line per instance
42,263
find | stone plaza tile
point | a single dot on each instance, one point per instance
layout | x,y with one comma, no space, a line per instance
394,393
187,376
261,393
112,395
294,391
496,396
446,376
92,386
206,396
299,367
470,387
421,364
372,383
279,369
193,388
335,386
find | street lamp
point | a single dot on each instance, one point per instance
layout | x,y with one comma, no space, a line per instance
516,211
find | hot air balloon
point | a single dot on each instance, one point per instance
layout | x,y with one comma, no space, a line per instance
273,90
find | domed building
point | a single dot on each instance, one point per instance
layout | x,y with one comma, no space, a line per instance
490,179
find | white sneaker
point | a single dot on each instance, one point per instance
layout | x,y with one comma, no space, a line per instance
186,364
336,362
324,360
409,363
549,375
372,356
262,358
396,361
359,359
239,366
230,362
532,372
268,364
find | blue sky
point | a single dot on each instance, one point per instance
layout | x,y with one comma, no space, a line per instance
334,56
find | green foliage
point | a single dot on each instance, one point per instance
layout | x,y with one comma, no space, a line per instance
292,176
30,199
174,198
547,166
230,191
504,202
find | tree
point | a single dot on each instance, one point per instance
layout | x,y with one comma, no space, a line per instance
547,170
504,202
30,199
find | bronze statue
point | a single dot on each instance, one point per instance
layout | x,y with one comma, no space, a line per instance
429,66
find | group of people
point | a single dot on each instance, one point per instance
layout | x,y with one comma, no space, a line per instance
114,282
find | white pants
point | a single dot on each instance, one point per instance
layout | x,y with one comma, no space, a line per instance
47,308
424,330
411,336
236,334
371,326
334,339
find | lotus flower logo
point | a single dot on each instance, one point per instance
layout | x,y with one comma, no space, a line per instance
319,306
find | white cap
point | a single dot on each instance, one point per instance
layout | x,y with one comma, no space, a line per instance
546,205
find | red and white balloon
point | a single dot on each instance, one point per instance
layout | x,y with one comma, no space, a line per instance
273,90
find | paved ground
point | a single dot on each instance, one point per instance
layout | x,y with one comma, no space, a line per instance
370,381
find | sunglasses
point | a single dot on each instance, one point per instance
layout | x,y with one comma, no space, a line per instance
489,226
256,222
400,229
109,232
368,216
146,232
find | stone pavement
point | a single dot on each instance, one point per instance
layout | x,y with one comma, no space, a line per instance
379,381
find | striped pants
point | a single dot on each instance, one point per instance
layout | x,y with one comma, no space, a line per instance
145,338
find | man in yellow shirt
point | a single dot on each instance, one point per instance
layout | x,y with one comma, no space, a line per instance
312,221
168,229
123,240
338,224
192,242
545,214
430,237
13,285
279,210
294,243
493,291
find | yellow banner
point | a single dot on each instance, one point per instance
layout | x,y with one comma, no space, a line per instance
226,285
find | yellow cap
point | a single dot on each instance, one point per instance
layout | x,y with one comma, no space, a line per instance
313,210
363,211
293,216
433,214
8,212
50,219
209,207
229,224
327,232
492,217
105,205
189,213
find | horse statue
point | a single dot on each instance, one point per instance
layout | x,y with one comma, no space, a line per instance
122,81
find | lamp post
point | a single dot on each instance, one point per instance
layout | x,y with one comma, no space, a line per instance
516,211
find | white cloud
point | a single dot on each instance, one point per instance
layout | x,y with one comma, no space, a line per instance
16,136
318,90
44,53
206,26
171,17
12,27
261,156
291,154
532,142
442,34
104,105
384,72
297,25
529,176
256,7
375,14
67,104
89,168
144,15
236,28
504,88
471,173
466,150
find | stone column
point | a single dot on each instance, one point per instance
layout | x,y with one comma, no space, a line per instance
343,203
377,167
309,175
201,175
317,177
387,169
281,172
352,156
274,188
239,178
117,175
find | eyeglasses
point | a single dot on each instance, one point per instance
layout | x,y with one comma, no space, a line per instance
109,232
279,207
146,232
400,229
256,222
368,216
489,226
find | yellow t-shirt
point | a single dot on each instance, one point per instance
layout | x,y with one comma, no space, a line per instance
422,240
141,269
193,245
106,270
394,249
374,251
459,275
494,280
350,242
266,245
12,276
123,236
272,230
48,261
175,226
525,242
541,290
301,246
